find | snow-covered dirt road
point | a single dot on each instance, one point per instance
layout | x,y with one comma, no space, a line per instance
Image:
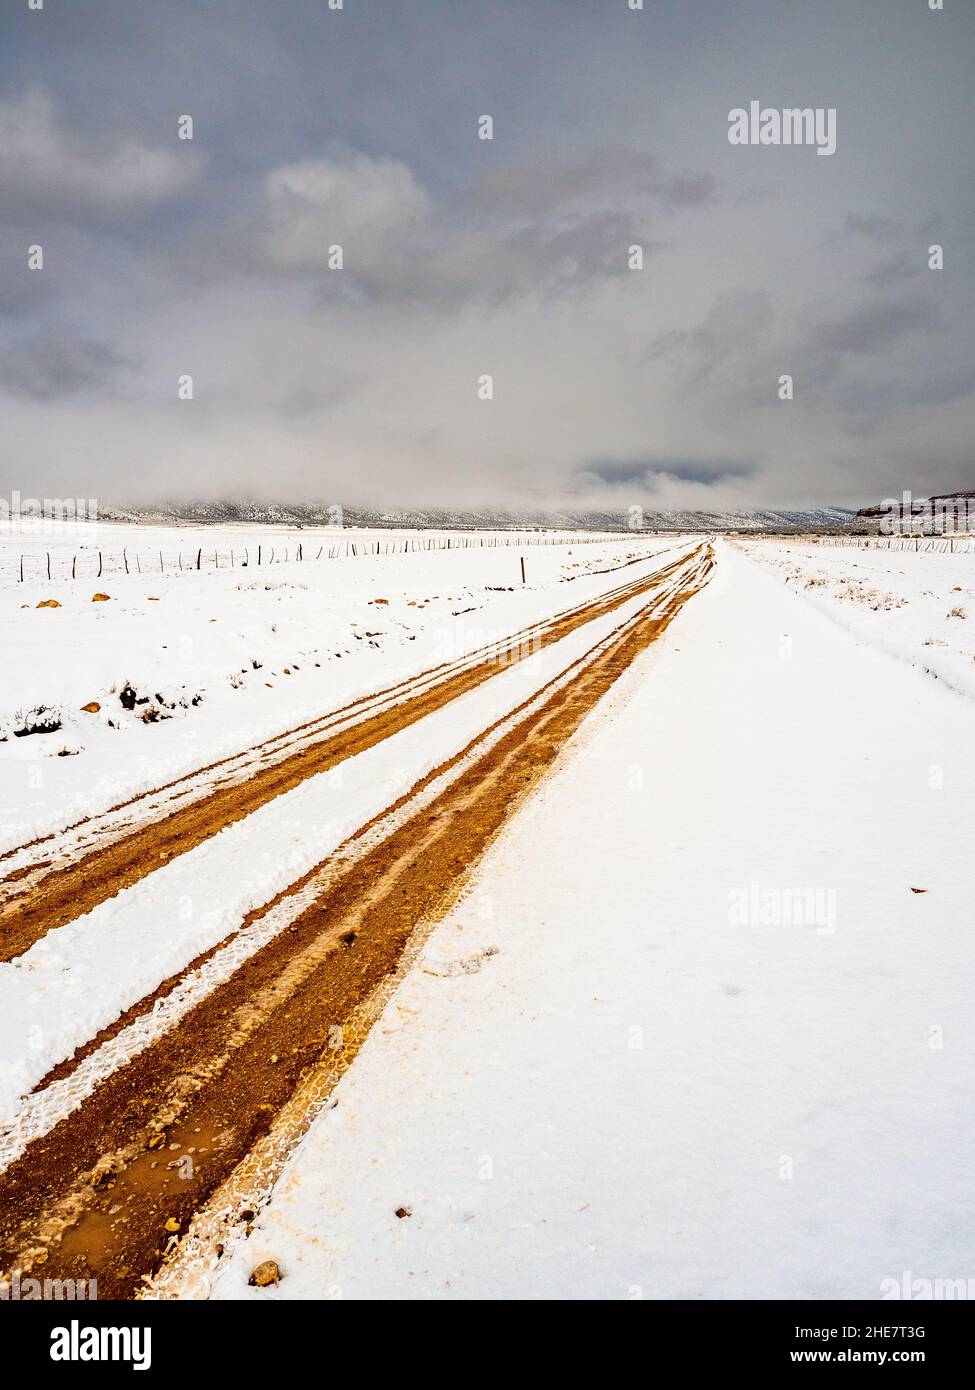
702,1025
145,678
205,989
623,953
102,854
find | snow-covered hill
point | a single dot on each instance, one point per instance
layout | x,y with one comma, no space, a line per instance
314,513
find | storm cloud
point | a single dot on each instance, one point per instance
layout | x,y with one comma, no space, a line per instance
633,285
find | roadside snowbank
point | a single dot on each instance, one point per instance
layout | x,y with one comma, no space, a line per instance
919,607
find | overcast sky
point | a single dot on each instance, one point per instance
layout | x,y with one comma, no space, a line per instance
463,257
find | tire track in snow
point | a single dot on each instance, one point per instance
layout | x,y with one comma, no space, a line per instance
102,1194
94,863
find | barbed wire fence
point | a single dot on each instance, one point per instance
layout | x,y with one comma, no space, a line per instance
93,562
944,545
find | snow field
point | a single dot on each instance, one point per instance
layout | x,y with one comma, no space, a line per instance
79,977
610,1074
259,650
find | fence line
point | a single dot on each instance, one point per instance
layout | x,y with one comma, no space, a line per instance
234,558
942,545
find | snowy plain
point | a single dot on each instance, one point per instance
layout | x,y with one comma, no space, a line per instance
80,976
919,606
702,1026
260,650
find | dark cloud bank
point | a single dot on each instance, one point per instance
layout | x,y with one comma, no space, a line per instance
464,258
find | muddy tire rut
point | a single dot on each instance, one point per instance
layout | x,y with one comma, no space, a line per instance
106,1191
35,899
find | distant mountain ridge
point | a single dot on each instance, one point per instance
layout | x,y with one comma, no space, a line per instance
653,519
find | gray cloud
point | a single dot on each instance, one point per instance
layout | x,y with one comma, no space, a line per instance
877,229
875,326
685,470
48,366
897,270
736,322
467,257
512,232
45,162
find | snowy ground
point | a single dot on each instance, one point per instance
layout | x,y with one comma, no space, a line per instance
917,606
239,655
693,1033
701,1028
87,550
79,977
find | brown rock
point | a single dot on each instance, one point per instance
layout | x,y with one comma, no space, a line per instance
92,707
49,603
265,1274
100,598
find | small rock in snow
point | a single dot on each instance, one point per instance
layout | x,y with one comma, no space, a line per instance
266,1273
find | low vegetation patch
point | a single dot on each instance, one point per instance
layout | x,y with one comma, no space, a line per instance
42,719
